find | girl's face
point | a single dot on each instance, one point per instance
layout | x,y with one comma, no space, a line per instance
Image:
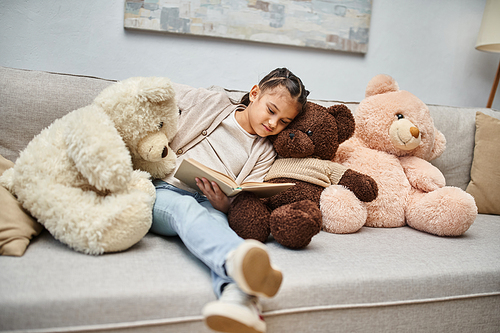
269,112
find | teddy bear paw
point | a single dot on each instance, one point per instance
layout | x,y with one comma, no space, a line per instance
140,180
448,211
249,217
342,211
294,225
363,186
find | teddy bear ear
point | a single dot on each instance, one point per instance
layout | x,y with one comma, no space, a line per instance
381,84
345,121
155,89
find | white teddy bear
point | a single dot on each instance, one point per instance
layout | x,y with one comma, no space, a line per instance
81,177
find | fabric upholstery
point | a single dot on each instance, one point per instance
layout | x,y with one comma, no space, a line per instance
456,123
458,126
342,281
17,226
376,280
485,173
32,100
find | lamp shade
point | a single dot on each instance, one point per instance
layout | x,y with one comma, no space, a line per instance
489,34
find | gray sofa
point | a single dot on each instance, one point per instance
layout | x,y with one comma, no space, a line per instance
376,280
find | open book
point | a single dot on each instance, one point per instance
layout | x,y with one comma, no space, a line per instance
191,169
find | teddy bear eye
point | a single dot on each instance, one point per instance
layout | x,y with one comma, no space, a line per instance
160,125
400,116
309,133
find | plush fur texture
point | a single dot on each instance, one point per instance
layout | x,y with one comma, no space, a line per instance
395,138
77,176
293,216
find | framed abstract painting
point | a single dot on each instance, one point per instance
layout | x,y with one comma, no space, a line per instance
326,24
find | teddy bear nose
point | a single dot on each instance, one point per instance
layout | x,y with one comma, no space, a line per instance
164,153
414,131
291,135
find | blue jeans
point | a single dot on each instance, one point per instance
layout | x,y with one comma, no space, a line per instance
203,229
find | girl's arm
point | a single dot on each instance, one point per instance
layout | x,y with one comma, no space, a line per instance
252,172
201,111
217,198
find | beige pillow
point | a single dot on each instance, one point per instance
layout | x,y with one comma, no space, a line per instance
485,172
17,227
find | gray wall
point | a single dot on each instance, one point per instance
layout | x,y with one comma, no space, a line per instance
426,45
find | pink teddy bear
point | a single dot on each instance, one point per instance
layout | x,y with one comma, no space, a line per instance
394,139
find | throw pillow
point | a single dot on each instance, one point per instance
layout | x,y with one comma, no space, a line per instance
485,173
17,227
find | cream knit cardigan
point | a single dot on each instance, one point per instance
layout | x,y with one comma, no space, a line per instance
201,111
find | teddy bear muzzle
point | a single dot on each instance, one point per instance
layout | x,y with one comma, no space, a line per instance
153,147
296,144
404,134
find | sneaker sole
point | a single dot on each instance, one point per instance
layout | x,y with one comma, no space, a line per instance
222,317
224,324
259,278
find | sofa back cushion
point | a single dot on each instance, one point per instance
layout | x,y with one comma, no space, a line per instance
32,100
458,125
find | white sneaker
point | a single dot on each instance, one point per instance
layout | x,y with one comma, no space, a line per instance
250,267
235,312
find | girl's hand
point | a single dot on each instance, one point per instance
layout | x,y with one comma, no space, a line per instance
212,191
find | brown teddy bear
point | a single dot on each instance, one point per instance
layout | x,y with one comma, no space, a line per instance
305,149
394,141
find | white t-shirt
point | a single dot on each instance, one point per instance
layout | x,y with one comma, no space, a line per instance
226,150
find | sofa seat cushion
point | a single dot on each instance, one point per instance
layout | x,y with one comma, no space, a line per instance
157,285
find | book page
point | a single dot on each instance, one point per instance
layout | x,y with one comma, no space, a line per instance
214,173
191,169
265,190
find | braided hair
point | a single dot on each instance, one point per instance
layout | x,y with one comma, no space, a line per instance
282,77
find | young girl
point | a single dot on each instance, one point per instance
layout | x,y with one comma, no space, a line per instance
231,139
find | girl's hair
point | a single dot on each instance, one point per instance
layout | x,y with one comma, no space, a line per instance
282,77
